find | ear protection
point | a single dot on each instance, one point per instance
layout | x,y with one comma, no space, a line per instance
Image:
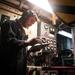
28,13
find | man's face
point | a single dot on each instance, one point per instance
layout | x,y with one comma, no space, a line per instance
30,21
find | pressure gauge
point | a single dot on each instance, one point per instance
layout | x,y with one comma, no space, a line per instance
44,40
46,26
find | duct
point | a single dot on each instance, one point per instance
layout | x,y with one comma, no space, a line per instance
10,9
20,4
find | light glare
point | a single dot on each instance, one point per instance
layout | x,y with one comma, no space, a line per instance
44,4
64,33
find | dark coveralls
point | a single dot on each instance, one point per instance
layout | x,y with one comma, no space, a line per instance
13,53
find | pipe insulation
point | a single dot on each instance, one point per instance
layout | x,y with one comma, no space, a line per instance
20,4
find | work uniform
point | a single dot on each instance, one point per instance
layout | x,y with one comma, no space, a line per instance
13,53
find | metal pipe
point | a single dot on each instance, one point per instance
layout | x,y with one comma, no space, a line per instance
20,4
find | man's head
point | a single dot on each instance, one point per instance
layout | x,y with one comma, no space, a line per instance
28,18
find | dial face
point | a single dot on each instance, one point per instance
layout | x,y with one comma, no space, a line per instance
51,30
48,40
46,26
44,40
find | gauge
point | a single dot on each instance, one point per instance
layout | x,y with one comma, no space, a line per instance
46,26
51,41
48,47
54,48
55,42
51,47
48,40
44,40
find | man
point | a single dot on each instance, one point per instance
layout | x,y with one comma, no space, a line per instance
14,43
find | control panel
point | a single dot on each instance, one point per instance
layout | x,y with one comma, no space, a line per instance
48,35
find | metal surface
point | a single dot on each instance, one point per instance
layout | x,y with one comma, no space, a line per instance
65,10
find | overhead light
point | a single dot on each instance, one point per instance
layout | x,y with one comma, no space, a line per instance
64,33
44,4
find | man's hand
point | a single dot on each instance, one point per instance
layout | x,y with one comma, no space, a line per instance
35,41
